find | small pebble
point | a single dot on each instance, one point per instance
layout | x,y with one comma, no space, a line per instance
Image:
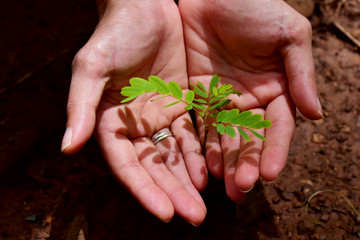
318,138
325,217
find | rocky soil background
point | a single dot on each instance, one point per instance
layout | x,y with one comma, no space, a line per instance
46,195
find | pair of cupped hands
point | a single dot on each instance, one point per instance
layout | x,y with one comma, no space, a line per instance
261,47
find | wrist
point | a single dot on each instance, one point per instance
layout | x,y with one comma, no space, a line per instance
105,5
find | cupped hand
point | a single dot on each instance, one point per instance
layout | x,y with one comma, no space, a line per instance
138,39
262,48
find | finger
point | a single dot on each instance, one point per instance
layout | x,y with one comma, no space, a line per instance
278,138
84,96
230,150
213,155
209,137
248,164
185,205
189,143
174,161
122,159
301,76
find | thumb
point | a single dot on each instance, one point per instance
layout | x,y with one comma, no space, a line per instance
84,96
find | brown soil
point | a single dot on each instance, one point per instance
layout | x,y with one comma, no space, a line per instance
46,195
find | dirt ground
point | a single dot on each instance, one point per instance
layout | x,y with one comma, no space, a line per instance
47,195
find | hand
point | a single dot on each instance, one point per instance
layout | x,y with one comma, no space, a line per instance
138,38
262,48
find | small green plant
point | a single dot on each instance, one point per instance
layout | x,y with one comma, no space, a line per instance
206,102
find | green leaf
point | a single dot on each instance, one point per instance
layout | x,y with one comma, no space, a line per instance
214,114
220,104
175,90
159,84
201,114
215,91
198,91
199,100
202,86
251,120
261,124
233,91
244,134
220,115
230,115
189,97
221,128
172,104
230,131
158,98
219,97
214,82
241,117
189,107
267,123
225,87
142,84
199,106
128,99
258,135
131,91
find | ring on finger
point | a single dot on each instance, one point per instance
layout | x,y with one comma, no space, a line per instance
161,135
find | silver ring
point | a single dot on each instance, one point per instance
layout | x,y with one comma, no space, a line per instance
160,135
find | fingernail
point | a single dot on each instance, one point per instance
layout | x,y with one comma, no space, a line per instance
66,142
165,221
319,107
195,225
246,191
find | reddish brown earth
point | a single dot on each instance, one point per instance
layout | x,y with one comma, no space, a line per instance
46,195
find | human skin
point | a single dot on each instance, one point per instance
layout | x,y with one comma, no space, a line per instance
262,48
138,39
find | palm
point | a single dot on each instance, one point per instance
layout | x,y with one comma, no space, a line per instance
139,39
244,42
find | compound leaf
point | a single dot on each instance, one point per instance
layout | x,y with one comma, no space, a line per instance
230,131
175,90
256,134
142,84
244,134
159,84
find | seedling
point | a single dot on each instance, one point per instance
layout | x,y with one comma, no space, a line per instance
205,102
